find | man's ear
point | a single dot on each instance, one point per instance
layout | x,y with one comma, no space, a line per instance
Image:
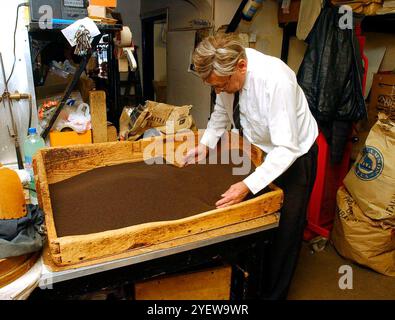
242,65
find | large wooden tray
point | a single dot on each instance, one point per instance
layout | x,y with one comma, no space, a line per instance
53,165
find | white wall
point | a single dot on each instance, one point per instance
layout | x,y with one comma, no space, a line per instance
264,24
183,87
297,49
130,10
160,69
180,11
224,11
383,40
21,81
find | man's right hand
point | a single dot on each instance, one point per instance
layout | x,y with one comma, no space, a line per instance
195,155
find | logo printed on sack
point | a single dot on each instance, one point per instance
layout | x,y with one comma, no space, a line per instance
370,165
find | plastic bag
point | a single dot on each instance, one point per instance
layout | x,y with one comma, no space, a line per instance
79,120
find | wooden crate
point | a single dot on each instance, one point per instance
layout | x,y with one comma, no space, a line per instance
208,284
53,165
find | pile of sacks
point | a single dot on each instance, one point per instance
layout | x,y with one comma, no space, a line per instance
160,117
365,7
364,226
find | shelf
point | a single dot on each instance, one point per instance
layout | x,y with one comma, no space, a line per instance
379,23
34,27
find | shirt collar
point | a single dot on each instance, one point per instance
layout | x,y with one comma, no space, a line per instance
247,80
248,73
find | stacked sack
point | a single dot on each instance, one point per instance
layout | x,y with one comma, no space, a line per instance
164,118
364,226
365,7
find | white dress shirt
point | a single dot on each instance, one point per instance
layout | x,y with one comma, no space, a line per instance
274,115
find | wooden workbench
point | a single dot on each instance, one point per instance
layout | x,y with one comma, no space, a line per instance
236,231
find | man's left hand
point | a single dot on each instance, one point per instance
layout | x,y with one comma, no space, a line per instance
235,194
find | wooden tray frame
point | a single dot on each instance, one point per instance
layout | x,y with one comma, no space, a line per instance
52,165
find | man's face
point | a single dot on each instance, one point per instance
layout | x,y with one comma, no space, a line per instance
229,84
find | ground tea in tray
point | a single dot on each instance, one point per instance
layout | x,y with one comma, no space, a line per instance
130,194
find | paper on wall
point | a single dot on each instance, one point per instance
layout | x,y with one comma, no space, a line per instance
72,29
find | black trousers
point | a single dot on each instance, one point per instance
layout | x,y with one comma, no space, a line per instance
297,183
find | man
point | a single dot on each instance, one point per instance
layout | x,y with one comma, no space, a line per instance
259,95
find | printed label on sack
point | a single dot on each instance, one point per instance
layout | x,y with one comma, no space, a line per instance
371,164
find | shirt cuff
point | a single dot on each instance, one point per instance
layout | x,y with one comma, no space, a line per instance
255,182
210,138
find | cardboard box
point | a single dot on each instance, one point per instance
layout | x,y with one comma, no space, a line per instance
59,85
382,97
105,3
54,85
68,138
209,284
97,11
292,16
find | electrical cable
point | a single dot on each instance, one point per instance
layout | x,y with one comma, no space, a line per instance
24,4
30,111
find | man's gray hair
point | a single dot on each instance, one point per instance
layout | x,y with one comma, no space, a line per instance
219,54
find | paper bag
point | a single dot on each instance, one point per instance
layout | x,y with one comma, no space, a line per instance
168,118
133,122
358,238
371,181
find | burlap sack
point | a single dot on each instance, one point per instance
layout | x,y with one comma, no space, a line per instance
366,7
358,238
168,118
371,181
133,122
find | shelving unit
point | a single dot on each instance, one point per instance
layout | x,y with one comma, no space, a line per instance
379,23
111,85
